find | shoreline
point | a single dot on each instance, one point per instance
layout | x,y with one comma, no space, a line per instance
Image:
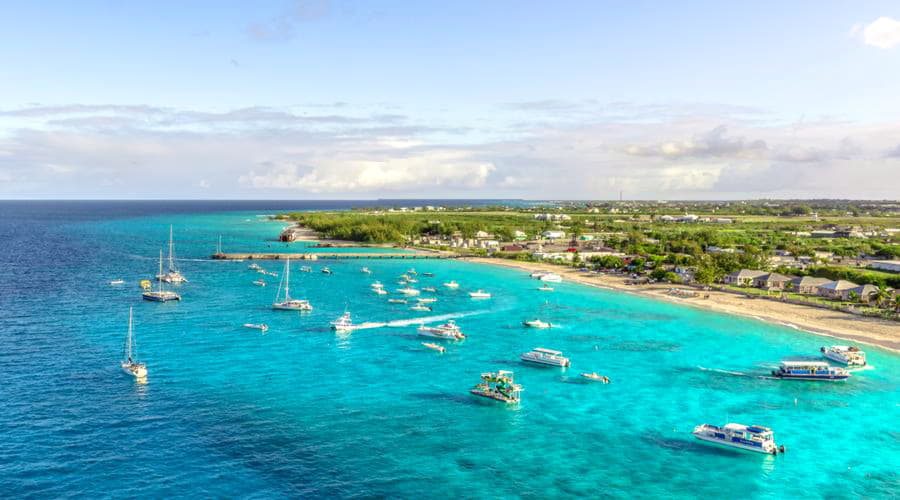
822,322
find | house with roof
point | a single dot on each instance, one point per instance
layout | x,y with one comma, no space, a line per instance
808,284
863,292
744,277
835,289
772,281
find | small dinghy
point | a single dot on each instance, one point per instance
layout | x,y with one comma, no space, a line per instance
116,282
595,376
261,326
397,301
536,323
259,283
438,348
419,307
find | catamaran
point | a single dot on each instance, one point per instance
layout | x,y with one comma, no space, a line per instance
160,295
499,386
130,365
845,354
449,330
286,303
810,370
745,437
343,324
545,357
172,275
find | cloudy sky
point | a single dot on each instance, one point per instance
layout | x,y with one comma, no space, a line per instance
341,99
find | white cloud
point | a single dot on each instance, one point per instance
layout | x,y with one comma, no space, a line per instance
883,33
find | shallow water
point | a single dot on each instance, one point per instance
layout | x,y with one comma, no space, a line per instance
300,411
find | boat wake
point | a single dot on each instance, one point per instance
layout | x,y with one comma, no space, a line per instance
727,372
432,319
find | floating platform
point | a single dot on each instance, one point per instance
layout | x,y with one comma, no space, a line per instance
333,256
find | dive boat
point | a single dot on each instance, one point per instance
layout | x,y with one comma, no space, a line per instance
451,284
499,386
130,365
419,307
429,289
259,282
745,437
449,330
366,270
286,303
325,270
545,288
408,291
172,275
261,326
848,355
810,370
551,278
342,324
397,301
480,294
438,348
596,376
536,323
545,357
160,295
116,282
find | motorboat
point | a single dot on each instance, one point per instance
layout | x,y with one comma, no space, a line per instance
538,274
412,280
545,288
257,326
536,323
305,269
129,363
397,301
429,289
596,376
426,300
342,324
283,300
408,291
254,266
745,437
498,385
551,278
810,370
172,274
259,282
428,275
326,270
451,284
449,330
480,294
160,294
848,355
366,270
380,291
436,347
116,282
543,356
377,284
419,307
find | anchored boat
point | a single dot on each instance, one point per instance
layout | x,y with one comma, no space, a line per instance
545,357
172,275
536,323
258,326
129,364
259,283
419,307
342,324
810,370
545,288
438,348
595,376
286,303
498,385
745,437
160,295
451,284
845,354
480,294
449,330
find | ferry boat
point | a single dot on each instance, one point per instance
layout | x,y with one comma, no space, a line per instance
596,376
429,289
480,294
342,324
397,301
545,357
746,437
438,348
551,278
810,370
499,386
536,323
257,326
259,282
285,302
129,364
451,284
366,270
408,291
545,288
160,295
449,330
848,355
419,307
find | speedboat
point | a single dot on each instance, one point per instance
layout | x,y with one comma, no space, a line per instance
325,270
551,277
130,365
408,291
810,370
429,289
545,288
438,348
499,386
451,284
116,282
745,437
545,357
419,307
449,330
480,294
258,326
536,323
366,270
342,324
848,355
595,376
259,282
426,300
397,301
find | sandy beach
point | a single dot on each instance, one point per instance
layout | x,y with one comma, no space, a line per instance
826,322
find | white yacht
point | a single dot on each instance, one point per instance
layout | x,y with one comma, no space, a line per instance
285,302
536,323
845,354
451,284
551,278
449,330
342,324
745,437
172,275
426,300
408,291
160,295
480,294
545,357
129,364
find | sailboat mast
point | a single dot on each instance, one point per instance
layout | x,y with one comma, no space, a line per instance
128,341
171,254
287,279
160,280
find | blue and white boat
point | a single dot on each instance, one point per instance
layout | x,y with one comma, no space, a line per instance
810,370
745,437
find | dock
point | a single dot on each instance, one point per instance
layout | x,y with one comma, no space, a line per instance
333,256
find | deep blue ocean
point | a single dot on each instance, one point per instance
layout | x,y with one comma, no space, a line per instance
302,412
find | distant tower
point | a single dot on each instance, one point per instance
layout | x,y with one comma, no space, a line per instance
620,195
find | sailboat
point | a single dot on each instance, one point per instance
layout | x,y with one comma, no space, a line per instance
172,276
160,295
286,303
129,363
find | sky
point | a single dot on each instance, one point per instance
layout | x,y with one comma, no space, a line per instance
319,99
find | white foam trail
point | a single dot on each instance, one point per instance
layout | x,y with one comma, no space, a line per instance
729,372
432,319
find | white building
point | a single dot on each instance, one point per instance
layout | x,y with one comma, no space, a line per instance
553,235
892,266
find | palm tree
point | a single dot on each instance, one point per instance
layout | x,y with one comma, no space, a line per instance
880,295
897,302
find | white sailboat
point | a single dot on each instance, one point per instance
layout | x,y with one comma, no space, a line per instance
285,302
172,275
129,364
160,295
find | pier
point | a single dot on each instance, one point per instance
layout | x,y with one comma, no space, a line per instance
333,256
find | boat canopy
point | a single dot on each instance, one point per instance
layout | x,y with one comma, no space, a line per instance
793,364
547,351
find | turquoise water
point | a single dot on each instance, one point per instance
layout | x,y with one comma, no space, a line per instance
300,411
